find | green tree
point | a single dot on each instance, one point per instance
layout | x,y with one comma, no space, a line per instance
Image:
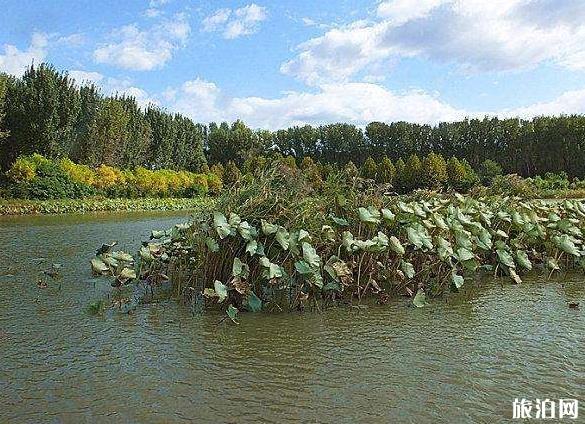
488,170
231,174
400,176
413,174
386,171
434,170
369,169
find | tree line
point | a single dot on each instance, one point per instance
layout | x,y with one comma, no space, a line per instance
46,112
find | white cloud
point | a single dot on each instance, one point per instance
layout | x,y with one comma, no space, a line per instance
145,49
357,102
112,86
236,23
476,35
570,102
14,61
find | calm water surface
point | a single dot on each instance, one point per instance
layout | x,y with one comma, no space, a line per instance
461,360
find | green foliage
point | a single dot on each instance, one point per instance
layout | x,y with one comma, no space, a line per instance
488,170
434,169
231,174
369,169
36,177
386,171
274,244
412,175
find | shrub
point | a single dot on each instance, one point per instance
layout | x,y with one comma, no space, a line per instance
512,185
231,174
434,169
488,170
22,170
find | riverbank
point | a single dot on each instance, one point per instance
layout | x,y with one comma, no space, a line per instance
60,206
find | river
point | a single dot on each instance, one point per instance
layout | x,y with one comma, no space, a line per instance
461,359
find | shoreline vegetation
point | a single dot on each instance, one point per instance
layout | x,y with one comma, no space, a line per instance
284,241
90,205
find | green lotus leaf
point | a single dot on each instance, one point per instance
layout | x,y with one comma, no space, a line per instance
98,266
369,215
505,258
253,303
444,249
232,313
247,232
272,270
146,254
122,256
348,241
156,234
283,238
457,280
220,289
419,237
439,221
342,222
522,259
396,246
303,267
420,299
111,262
408,269
267,228
310,255
234,220
221,225
388,215
212,244
502,234
240,269
462,254
404,208
567,245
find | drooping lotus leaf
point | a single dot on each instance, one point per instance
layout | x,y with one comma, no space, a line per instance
408,269
457,280
283,238
439,221
522,259
303,236
502,234
157,234
99,267
444,249
348,241
370,215
247,232
396,246
146,254
220,290
232,312
420,299
404,208
240,269
109,261
267,228
221,225
234,220
310,255
342,222
505,258
567,245
303,267
253,302
388,215
251,247
126,274
462,254
272,270
122,256
212,244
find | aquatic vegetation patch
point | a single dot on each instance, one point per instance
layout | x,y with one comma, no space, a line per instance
32,207
278,243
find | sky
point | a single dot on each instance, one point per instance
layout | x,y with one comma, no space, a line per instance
279,63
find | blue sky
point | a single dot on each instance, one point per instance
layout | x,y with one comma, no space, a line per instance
280,63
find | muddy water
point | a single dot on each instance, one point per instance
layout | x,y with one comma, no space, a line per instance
460,360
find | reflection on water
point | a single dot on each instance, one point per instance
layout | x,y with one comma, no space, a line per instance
460,360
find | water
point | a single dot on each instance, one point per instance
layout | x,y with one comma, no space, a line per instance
459,360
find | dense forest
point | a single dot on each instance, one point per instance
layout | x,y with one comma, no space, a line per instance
47,112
